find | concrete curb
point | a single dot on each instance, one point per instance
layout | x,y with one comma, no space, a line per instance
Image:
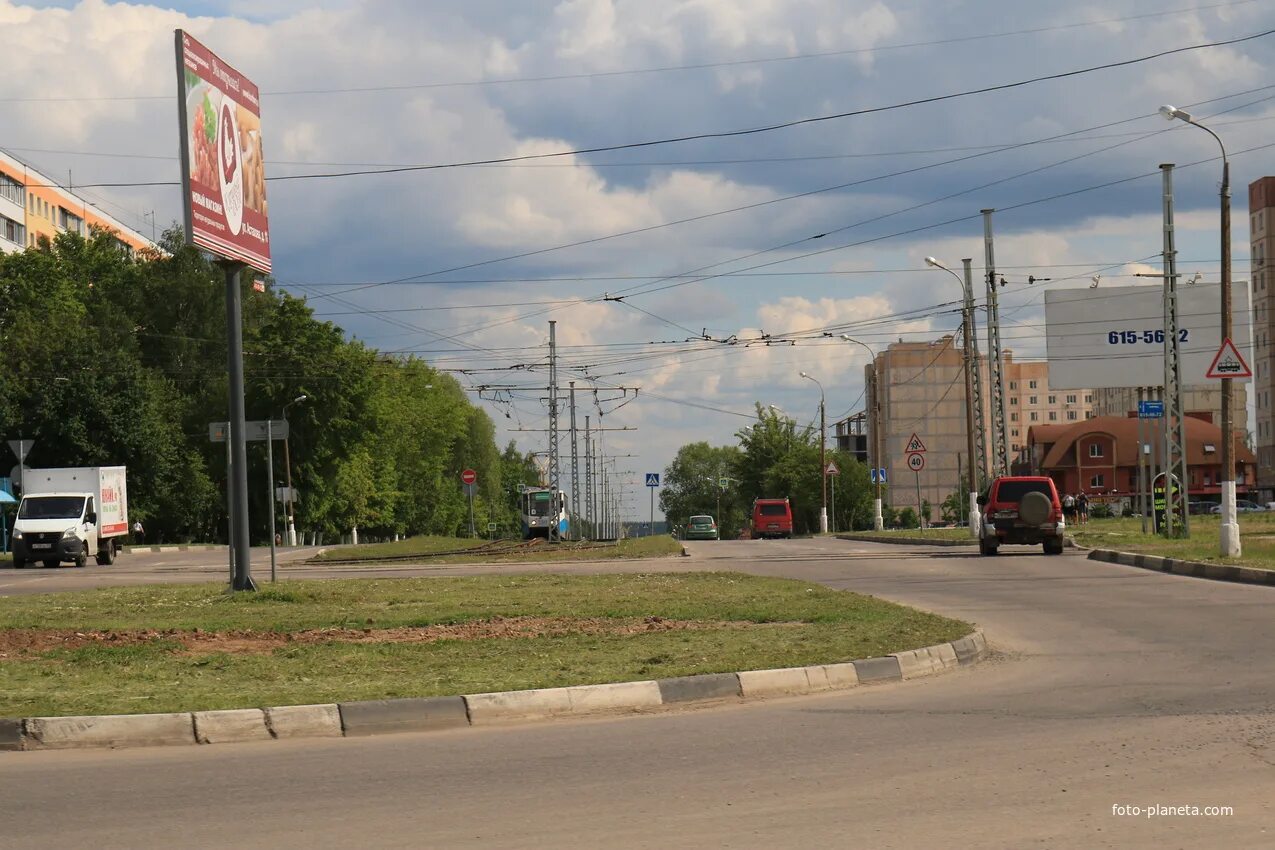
909,541
427,714
1196,569
181,547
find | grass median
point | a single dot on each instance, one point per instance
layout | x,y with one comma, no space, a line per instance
1124,534
452,550
180,648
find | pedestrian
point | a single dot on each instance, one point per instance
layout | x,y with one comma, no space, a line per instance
139,533
1069,507
1082,507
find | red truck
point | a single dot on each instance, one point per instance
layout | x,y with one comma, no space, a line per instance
772,518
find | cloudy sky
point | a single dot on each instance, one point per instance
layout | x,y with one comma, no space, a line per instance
785,233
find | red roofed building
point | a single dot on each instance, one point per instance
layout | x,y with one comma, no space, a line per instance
1099,456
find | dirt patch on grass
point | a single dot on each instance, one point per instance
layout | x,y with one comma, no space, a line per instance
24,643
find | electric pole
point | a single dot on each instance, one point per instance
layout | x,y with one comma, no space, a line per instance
554,470
575,467
1000,430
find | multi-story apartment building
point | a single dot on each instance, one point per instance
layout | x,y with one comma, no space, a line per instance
1261,230
922,387
33,207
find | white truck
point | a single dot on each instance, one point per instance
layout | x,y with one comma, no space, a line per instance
66,514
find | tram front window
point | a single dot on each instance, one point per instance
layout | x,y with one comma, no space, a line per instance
540,504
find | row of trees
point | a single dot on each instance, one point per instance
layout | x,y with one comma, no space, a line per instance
110,359
773,458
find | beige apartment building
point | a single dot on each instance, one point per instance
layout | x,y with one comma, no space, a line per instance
922,388
1261,229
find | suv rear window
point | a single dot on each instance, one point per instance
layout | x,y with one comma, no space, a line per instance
773,509
1013,491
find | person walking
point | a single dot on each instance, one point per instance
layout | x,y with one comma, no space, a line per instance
1082,508
1069,508
139,533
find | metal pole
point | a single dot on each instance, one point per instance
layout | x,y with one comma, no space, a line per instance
470,489
967,321
823,463
919,521
238,425
287,465
575,469
588,479
554,484
270,492
1142,511
1000,428
878,521
230,512
651,528
1230,537
1174,413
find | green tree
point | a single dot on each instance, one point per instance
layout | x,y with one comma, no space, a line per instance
693,485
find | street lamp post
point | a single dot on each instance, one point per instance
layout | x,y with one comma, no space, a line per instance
287,463
878,522
967,328
823,465
1229,543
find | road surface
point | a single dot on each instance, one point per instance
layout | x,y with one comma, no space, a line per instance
1111,686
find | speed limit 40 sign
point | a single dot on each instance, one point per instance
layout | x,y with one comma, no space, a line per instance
916,462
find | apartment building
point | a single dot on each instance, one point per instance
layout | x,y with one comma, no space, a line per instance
1261,230
1030,401
32,207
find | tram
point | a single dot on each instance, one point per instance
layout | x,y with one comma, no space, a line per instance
544,513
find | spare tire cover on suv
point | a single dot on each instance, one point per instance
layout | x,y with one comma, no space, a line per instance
1035,508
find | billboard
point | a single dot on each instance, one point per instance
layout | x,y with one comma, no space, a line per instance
223,175
1114,336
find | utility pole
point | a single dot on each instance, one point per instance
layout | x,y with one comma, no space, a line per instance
1000,430
588,479
967,322
554,469
1174,427
575,467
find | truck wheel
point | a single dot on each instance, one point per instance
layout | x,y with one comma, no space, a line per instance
986,548
82,557
106,555
19,563
1054,546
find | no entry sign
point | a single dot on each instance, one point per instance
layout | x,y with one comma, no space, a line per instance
468,476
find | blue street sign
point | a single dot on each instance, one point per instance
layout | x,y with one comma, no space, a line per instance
652,479
877,473
1150,409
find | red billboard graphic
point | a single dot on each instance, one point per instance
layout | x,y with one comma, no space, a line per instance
223,175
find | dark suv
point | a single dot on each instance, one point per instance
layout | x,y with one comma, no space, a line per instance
1021,509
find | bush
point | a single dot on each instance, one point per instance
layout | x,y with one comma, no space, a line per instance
908,518
1101,511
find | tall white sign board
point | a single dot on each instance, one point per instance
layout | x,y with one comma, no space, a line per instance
1114,336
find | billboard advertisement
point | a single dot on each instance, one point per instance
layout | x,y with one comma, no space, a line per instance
1114,336
223,175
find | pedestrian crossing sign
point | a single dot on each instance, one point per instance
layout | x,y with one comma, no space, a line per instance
652,479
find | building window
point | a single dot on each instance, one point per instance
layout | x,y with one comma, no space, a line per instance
11,230
1097,481
1031,385
1034,416
12,190
1209,448
1089,414
1013,400
1053,399
1013,385
1071,414
1013,417
1095,449
70,221
1088,399
1053,416
1032,400
1014,433
1071,399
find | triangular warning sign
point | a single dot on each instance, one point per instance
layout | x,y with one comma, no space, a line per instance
1228,363
831,468
915,446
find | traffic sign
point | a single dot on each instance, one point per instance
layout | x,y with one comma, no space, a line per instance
254,430
916,462
1150,409
21,448
723,483
831,468
15,474
652,479
1228,363
877,475
468,476
915,446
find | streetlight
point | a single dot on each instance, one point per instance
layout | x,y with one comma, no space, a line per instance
1229,542
878,523
823,466
287,463
967,328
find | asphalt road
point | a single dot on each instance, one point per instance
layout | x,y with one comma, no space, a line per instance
1111,686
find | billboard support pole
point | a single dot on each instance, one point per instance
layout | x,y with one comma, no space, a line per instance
238,427
1000,430
1174,427
270,495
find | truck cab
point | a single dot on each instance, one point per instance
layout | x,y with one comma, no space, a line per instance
55,527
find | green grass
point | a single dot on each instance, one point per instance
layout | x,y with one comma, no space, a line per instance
747,622
656,546
1257,539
